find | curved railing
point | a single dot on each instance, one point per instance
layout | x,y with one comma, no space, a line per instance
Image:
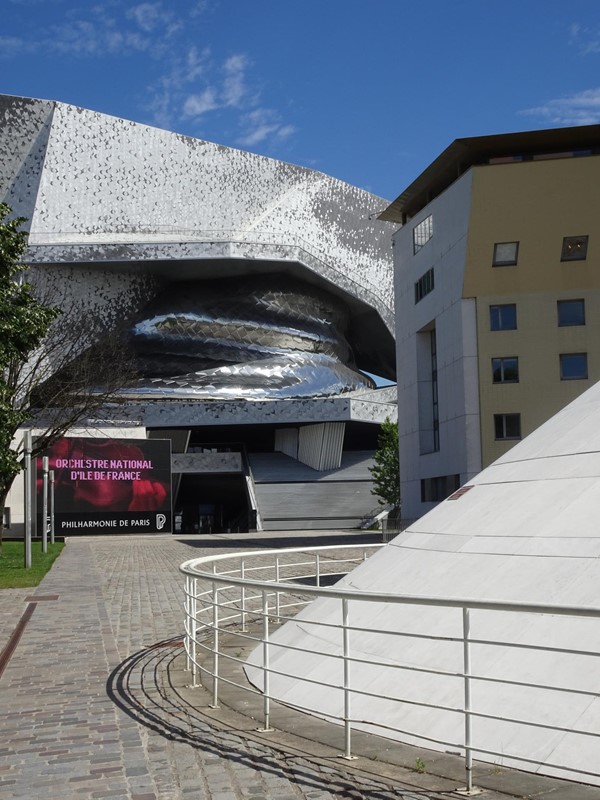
245,596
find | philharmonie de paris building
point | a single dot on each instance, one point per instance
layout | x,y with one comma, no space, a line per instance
255,296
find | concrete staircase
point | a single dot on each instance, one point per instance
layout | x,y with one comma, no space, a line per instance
292,496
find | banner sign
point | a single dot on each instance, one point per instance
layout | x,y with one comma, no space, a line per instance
109,485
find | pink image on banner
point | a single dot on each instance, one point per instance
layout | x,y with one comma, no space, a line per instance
107,475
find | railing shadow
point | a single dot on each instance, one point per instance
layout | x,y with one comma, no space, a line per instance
145,687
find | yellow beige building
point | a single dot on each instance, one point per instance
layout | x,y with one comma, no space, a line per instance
497,272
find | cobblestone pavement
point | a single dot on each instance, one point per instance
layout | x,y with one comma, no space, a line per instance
90,701
84,714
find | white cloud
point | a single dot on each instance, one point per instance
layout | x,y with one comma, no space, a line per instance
262,124
194,63
13,46
147,15
227,90
234,84
152,17
582,108
587,40
197,104
167,96
98,36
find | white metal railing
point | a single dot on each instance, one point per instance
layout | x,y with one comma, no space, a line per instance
247,594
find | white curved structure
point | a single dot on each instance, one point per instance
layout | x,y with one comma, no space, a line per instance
525,530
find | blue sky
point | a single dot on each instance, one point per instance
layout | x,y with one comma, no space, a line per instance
369,91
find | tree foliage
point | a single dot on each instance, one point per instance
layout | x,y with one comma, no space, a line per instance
386,471
50,376
24,322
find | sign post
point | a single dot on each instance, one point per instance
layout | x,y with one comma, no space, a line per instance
28,498
45,504
51,506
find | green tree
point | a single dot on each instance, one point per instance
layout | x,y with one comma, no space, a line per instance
386,471
52,376
24,323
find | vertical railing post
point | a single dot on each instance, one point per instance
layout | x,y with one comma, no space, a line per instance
215,604
187,622
277,574
194,629
266,665
467,700
317,569
347,688
45,504
243,594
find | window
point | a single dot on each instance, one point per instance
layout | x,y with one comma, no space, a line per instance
422,233
574,248
507,426
571,312
435,408
434,490
424,285
427,391
573,366
503,318
505,370
505,254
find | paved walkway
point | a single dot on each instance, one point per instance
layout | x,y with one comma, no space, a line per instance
93,702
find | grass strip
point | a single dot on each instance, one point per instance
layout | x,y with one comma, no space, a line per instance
13,574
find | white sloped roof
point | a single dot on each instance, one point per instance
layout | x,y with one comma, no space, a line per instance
527,531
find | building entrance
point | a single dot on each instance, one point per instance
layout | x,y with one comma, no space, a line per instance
212,504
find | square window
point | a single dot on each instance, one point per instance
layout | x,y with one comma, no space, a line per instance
503,318
507,426
505,254
422,233
573,366
505,370
571,312
574,248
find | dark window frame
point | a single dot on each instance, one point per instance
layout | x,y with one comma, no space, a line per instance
425,285
502,423
574,248
570,302
580,376
422,233
501,366
439,488
503,262
499,326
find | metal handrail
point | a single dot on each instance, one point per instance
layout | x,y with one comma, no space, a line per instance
218,601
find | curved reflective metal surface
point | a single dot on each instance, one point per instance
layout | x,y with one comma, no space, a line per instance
265,336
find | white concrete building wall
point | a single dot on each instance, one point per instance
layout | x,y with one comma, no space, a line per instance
454,320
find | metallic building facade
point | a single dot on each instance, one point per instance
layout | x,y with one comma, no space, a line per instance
254,292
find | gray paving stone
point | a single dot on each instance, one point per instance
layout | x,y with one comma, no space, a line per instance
92,708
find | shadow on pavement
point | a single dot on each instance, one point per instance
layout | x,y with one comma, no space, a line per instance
144,687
